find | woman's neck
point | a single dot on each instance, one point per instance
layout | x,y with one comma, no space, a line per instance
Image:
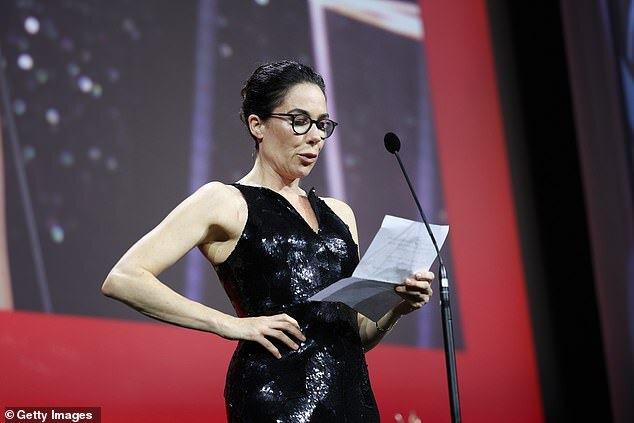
265,176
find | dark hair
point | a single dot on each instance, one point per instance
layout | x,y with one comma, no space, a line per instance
268,85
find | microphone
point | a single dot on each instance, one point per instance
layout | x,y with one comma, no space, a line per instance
393,145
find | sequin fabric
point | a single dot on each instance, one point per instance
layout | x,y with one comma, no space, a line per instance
278,263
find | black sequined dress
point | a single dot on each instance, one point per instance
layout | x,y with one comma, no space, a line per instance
278,263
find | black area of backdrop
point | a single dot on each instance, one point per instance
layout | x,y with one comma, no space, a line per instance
539,125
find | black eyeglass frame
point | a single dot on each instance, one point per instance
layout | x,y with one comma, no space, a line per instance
293,116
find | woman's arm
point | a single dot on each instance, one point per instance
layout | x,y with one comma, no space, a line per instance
214,217
134,279
415,291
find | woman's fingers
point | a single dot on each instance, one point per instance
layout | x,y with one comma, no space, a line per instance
424,276
263,329
269,346
416,291
278,334
415,288
290,329
413,284
289,319
279,327
288,324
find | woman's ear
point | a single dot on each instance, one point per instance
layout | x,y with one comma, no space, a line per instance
256,125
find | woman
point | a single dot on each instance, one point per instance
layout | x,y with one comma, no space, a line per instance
273,246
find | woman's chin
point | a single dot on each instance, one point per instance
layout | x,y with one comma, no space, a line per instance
303,171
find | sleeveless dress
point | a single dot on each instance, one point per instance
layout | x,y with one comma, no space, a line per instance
278,263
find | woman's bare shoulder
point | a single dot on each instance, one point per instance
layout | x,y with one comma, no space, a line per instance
217,190
345,213
217,194
340,207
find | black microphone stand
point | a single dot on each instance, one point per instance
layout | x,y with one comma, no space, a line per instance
392,143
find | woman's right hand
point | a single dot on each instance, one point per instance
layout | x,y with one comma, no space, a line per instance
258,329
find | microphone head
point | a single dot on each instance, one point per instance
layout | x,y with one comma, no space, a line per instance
392,143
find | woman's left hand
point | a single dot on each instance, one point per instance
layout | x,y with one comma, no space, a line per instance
416,292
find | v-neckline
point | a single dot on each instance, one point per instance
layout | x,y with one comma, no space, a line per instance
310,197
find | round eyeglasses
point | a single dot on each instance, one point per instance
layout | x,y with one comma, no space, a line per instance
302,123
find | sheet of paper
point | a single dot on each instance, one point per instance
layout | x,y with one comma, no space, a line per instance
399,249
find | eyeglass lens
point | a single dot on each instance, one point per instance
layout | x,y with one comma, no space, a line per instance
302,124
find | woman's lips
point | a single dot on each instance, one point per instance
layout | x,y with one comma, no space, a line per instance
308,158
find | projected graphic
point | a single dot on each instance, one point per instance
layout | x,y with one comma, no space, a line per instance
115,112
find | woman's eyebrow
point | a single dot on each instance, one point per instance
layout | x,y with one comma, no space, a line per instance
305,112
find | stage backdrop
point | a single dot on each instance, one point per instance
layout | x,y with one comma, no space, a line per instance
114,112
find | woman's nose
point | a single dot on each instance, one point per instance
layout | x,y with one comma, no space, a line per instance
314,135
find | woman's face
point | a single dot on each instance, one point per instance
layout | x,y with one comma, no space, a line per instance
293,156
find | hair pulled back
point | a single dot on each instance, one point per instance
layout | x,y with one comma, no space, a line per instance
268,85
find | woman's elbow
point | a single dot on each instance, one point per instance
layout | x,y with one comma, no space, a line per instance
112,286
